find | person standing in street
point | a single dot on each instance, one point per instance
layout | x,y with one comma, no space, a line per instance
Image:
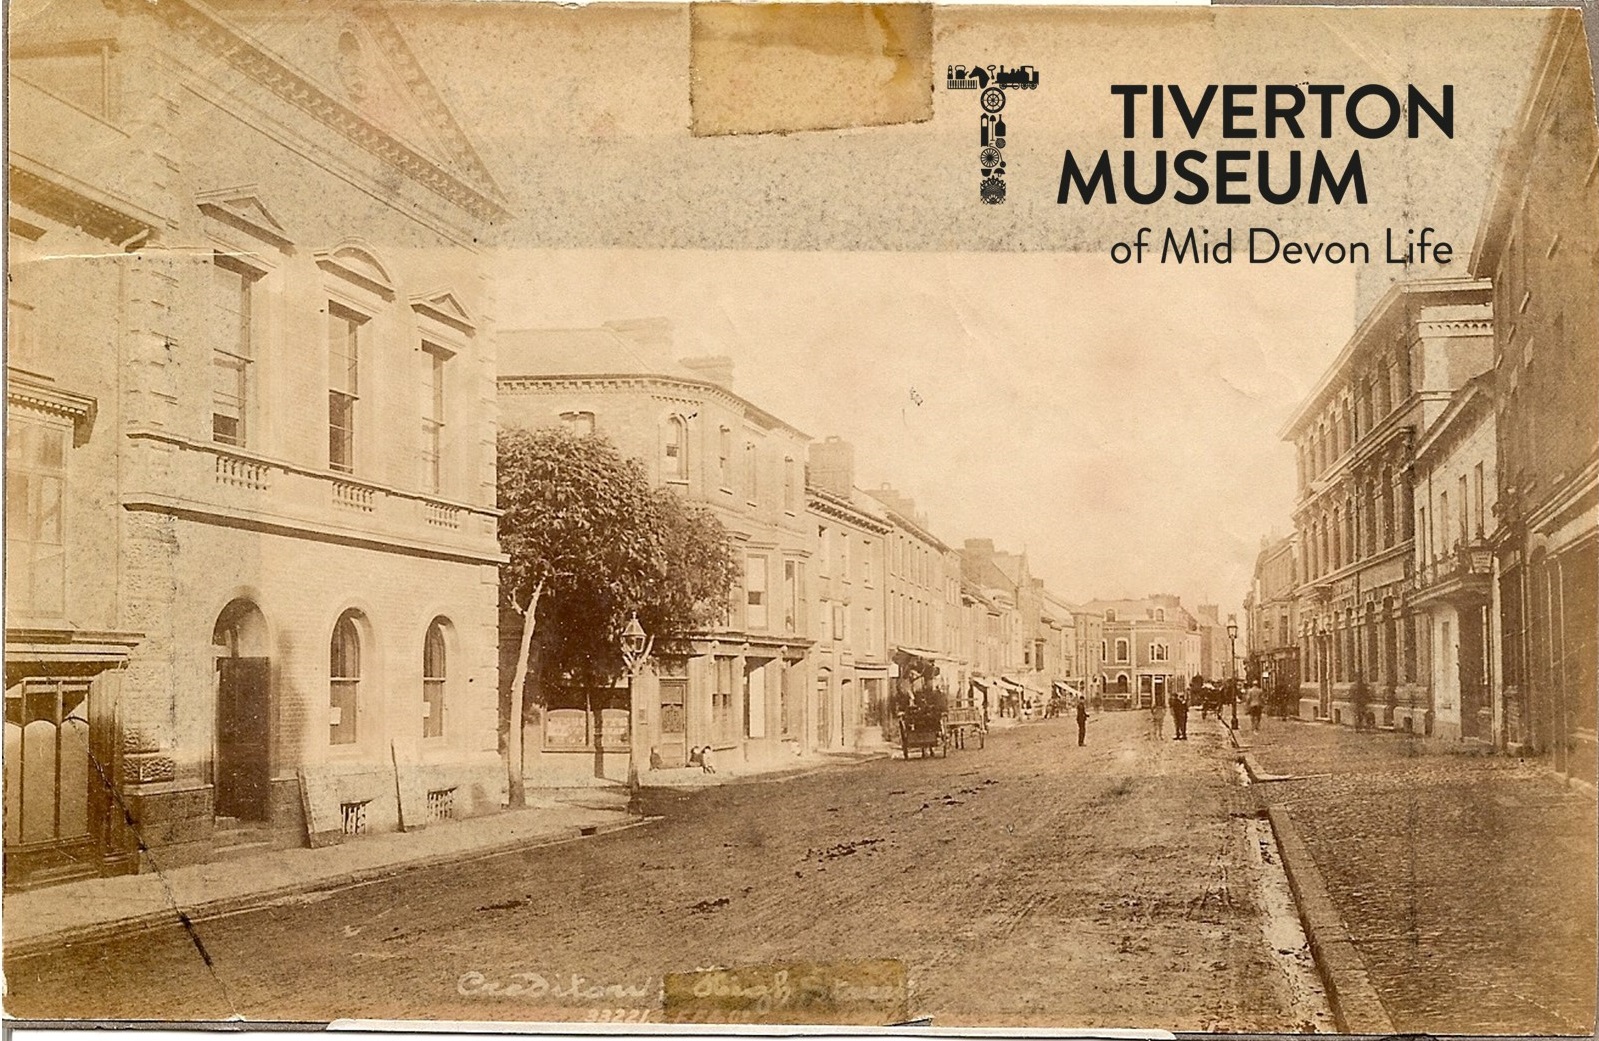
1255,702
1082,720
1179,714
1157,716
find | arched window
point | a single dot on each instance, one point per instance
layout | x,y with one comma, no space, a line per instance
344,680
674,449
1121,683
433,680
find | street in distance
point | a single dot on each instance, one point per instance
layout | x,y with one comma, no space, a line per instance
1265,246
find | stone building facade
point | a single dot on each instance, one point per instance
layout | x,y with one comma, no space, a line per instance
1151,646
922,600
1354,519
1272,612
744,689
1455,486
851,651
251,531
1537,240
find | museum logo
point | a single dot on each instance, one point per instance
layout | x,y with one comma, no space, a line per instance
991,82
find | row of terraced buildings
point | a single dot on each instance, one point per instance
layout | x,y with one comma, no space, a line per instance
1442,569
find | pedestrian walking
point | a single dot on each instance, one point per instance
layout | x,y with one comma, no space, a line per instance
1179,714
1255,701
1082,720
1157,717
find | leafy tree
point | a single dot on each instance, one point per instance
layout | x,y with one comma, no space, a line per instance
590,543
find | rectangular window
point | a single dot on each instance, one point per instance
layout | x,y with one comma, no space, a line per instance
790,485
724,458
752,473
344,382
791,596
1443,522
36,471
232,287
1465,510
578,424
1121,650
754,700
840,624
824,555
755,616
866,561
1479,500
434,358
722,704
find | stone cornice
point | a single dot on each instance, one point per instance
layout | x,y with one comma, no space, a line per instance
650,382
1457,327
39,393
818,501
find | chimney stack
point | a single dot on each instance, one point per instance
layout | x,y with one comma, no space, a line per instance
831,466
717,368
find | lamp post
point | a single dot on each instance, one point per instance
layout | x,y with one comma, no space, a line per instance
1232,662
635,653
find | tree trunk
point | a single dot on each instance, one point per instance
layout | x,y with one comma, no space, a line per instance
516,794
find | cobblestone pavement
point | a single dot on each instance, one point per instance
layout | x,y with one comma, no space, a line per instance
1466,880
1029,882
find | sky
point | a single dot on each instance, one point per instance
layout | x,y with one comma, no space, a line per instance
1121,427
1120,424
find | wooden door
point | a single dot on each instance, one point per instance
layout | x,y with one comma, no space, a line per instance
674,723
243,753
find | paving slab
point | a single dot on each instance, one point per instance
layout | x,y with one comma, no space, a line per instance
76,912
1466,882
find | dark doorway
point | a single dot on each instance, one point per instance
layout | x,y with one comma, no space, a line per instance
243,765
244,687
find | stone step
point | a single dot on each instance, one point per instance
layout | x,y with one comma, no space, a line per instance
235,850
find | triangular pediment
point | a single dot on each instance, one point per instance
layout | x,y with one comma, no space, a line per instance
241,208
357,56
443,306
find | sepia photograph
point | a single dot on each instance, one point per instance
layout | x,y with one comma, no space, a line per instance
639,515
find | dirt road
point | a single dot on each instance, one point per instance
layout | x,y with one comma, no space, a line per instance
1030,882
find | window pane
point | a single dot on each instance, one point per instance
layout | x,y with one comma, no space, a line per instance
344,328
433,682
341,431
344,681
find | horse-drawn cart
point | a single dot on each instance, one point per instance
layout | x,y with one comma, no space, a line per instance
963,722
922,727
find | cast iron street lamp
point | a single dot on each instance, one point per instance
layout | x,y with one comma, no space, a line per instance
1232,662
635,653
